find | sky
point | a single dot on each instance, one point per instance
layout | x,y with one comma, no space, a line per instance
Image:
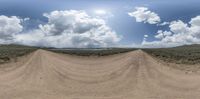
100,23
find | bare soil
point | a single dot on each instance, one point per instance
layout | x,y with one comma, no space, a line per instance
132,75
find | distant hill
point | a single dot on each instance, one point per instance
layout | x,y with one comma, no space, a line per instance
187,46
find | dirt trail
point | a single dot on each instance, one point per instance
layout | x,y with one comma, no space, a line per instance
133,75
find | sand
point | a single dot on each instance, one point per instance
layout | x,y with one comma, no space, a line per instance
133,75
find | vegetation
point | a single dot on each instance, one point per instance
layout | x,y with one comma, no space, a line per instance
9,52
189,54
93,52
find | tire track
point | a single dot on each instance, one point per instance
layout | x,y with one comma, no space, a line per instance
133,75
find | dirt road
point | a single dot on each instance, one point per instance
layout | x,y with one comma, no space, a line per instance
133,75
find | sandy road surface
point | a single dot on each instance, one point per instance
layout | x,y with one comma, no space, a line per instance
133,75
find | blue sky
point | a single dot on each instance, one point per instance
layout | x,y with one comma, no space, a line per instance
115,14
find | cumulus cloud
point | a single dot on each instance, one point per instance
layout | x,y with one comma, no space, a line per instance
143,14
162,34
180,33
70,28
9,27
146,36
163,24
26,19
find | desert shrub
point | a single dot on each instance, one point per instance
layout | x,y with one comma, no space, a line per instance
93,52
8,52
184,54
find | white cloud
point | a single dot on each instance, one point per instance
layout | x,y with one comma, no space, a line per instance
71,28
178,27
9,26
143,14
180,33
163,24
195,21
162,34
26,19
33,38
146,36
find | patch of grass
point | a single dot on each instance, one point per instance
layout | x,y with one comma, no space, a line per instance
9,52
189,54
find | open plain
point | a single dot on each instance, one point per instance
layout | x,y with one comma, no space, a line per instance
132,75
